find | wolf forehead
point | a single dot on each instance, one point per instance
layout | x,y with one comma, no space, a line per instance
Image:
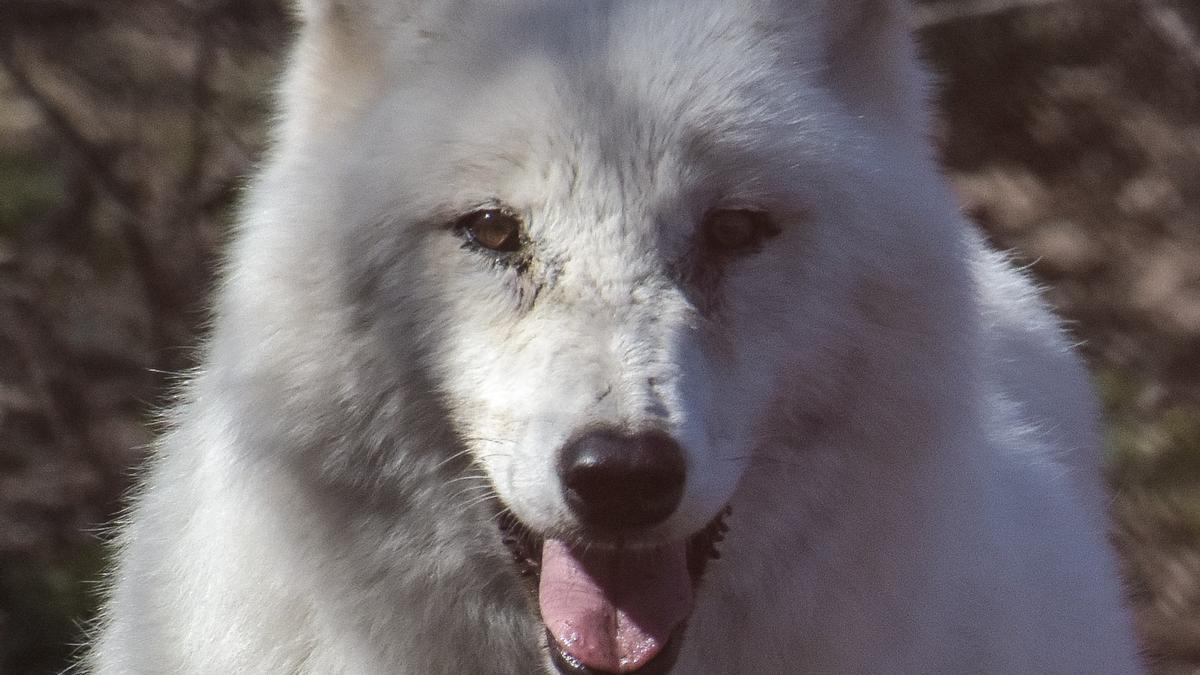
632,81
489,37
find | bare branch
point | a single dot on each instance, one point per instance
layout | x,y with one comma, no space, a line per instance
201,101
93,156
933,14
1172,28
133,226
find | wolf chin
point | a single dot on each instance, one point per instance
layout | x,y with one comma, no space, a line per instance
616,336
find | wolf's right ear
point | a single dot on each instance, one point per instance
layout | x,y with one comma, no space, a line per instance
317,10
350,14
367,19
309,9
339,58
321,11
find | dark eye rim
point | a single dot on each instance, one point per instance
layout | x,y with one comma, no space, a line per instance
764,227
468,224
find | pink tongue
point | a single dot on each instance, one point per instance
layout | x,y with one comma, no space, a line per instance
613,610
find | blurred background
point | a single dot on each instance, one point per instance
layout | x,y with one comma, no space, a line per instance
1071,130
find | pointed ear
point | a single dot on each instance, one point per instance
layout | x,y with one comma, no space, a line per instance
344,51
336,60
365,20
312,11
872,65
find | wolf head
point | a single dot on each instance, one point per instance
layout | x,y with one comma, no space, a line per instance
624,244
681,188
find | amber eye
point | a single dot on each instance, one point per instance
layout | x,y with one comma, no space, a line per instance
493,229
737,230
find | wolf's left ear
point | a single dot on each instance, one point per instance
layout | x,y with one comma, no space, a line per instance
871,63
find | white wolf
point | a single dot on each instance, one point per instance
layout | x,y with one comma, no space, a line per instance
534,302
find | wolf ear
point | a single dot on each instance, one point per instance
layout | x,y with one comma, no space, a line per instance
353,14
318,11
337,59
872,65
308,9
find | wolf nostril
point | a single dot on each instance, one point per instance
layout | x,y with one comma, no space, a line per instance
613,480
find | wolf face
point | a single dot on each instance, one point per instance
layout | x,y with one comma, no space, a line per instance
662,211
631,260
639,291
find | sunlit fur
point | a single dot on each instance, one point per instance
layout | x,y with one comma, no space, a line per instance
903,433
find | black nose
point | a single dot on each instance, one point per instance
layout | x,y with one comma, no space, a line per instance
613,480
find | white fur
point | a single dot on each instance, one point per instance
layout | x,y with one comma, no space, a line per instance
905,437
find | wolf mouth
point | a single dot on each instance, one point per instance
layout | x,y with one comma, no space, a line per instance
574,582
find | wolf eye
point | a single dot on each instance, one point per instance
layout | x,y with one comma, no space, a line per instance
737,230
493,229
